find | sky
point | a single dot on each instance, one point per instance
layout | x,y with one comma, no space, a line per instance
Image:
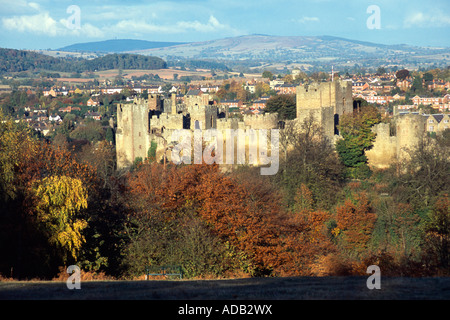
46,24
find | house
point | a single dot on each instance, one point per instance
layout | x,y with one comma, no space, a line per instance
376,99
259,104
69,109
93,115
358,86
275,82
398,97
429,100
232,103
50,92
56,118
91,103
250,87
437,122
209,88
406,107
111,90
285,88
437,85
404,84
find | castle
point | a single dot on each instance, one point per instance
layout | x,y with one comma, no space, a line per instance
155,120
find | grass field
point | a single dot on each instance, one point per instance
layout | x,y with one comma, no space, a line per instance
299,288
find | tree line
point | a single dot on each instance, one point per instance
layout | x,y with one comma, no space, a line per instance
12,60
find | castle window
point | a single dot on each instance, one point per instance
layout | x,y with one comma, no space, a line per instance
430,128
430,121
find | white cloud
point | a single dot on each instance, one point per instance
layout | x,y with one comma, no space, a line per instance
142,26
40,23
43,24
308,19
420,19
34,5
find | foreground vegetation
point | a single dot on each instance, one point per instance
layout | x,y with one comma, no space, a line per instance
320,215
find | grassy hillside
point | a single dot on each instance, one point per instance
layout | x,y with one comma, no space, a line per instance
118,45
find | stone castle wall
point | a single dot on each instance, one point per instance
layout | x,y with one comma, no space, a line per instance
394,140
384,150
261,121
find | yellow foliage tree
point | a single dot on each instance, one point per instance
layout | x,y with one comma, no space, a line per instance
59,202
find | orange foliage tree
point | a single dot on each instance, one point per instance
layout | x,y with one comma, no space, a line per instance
355,223
245,214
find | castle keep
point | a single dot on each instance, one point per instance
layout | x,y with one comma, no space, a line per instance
326,102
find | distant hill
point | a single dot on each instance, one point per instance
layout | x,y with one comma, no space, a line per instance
12,60
316,50
118,45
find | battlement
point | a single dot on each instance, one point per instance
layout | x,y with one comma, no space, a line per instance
336,94
166,121
201,108
231,123
261,121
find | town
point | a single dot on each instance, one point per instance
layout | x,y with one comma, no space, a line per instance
78,100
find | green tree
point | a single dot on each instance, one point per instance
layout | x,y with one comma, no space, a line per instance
428,76
284,105
267,74
417,86
357,137
109,135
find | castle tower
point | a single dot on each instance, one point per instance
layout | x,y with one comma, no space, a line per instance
154,102
132,134
410,129
326,102
174,103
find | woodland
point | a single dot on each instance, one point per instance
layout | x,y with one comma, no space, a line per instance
325,212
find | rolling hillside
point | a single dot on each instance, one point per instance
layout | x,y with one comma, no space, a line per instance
118,45
319,50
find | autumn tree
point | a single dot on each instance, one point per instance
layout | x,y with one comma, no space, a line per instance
397,229
59,201
354,224
308,158
437,233
402,74
240,215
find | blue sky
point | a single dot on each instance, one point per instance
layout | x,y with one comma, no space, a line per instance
42,24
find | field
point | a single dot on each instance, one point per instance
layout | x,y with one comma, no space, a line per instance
298,288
